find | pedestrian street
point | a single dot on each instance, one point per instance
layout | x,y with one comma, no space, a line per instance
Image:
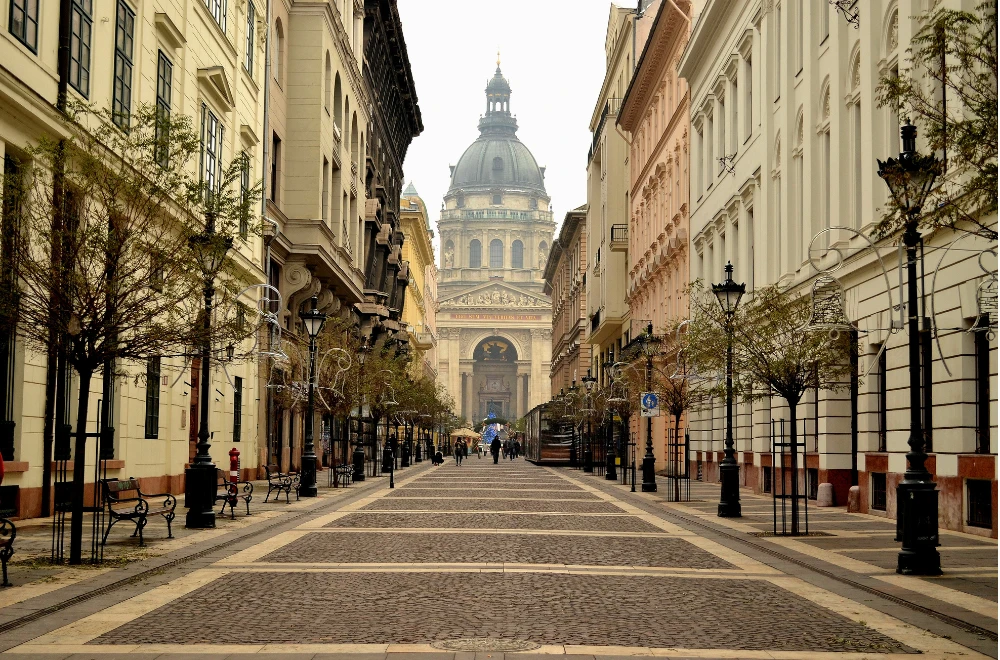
508,558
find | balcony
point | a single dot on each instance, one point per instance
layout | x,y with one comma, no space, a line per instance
619,238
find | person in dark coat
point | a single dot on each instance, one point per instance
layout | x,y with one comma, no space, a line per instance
495,450
517,448
459,452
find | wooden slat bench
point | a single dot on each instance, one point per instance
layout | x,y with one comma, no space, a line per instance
8,532
282,483
230,493
126,501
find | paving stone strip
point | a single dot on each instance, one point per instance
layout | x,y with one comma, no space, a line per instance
486,504
332,547
543,608
606,523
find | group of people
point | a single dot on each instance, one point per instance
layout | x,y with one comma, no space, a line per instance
508,448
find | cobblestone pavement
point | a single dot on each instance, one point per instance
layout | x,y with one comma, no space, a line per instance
488,555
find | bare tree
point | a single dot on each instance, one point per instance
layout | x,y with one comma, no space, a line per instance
110,264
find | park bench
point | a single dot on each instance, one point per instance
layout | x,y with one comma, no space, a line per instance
8,532
230,493
282,483
126,501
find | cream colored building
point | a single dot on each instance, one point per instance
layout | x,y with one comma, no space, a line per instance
420,311
785,91
496,230
655,113
315,148
566,281
194,61
608,202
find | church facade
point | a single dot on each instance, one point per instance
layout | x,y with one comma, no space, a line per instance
496,229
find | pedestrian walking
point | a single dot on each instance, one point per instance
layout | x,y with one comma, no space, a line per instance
495,450
459,453
517,448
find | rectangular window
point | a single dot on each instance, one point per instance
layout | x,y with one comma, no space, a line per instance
723,151
827,176
81,21
164,83
24,22
244,197
979,493
251,27
982,352
812,487
211,147
748,105
736,116
878,490
824,19
698,156
121,104
153,397
800,35
766,473
218,10
710,151
856,124
275,159
156,280
325,199
883,398
237,408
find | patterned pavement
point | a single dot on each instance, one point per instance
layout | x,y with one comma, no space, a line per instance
486,555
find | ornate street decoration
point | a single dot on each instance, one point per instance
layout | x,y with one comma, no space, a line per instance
828,313
728,163
849,8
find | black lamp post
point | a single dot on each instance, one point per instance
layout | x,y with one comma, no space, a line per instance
650,346
358,458
200,481
909,180
313,321
588,451
611,469
729,294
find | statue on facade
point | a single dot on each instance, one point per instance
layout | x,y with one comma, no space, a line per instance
449,257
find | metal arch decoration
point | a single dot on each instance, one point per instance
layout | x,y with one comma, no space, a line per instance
336,390
681,369
849,8
992,279
816,254
828,314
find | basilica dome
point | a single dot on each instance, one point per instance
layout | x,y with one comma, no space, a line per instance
497,160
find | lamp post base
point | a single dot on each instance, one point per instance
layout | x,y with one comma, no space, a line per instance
649,474
729,500
308,476
200,483
358,459
917,528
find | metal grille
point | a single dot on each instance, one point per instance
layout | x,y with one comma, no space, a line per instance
980,503
878,491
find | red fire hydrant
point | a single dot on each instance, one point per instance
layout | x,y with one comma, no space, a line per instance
234,467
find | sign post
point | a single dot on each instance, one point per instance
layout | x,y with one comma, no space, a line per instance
649,404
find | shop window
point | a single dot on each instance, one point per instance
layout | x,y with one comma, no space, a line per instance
878,490
979,500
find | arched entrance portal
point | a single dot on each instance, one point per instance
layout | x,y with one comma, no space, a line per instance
494,373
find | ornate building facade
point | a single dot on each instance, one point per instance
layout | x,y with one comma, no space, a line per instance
566,282
496,231
421,295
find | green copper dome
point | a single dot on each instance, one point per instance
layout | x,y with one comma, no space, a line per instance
497,160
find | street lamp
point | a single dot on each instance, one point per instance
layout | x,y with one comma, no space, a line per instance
611,469
909,180
358,458
650,344
313,320
200,478
729,294
588,451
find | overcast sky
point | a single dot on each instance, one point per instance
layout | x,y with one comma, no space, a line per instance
552,53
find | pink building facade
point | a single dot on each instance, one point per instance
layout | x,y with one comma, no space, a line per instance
655,113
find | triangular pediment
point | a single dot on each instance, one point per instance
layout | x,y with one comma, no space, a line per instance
496,294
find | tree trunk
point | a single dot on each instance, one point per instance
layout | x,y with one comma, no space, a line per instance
794,435
79,465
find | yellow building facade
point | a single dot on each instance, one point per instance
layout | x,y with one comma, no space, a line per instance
420,310
191,59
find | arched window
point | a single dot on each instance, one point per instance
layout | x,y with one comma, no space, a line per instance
460,201
496,253
279,51
354,139
498,164
475,254
338,106
517,254
327,74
